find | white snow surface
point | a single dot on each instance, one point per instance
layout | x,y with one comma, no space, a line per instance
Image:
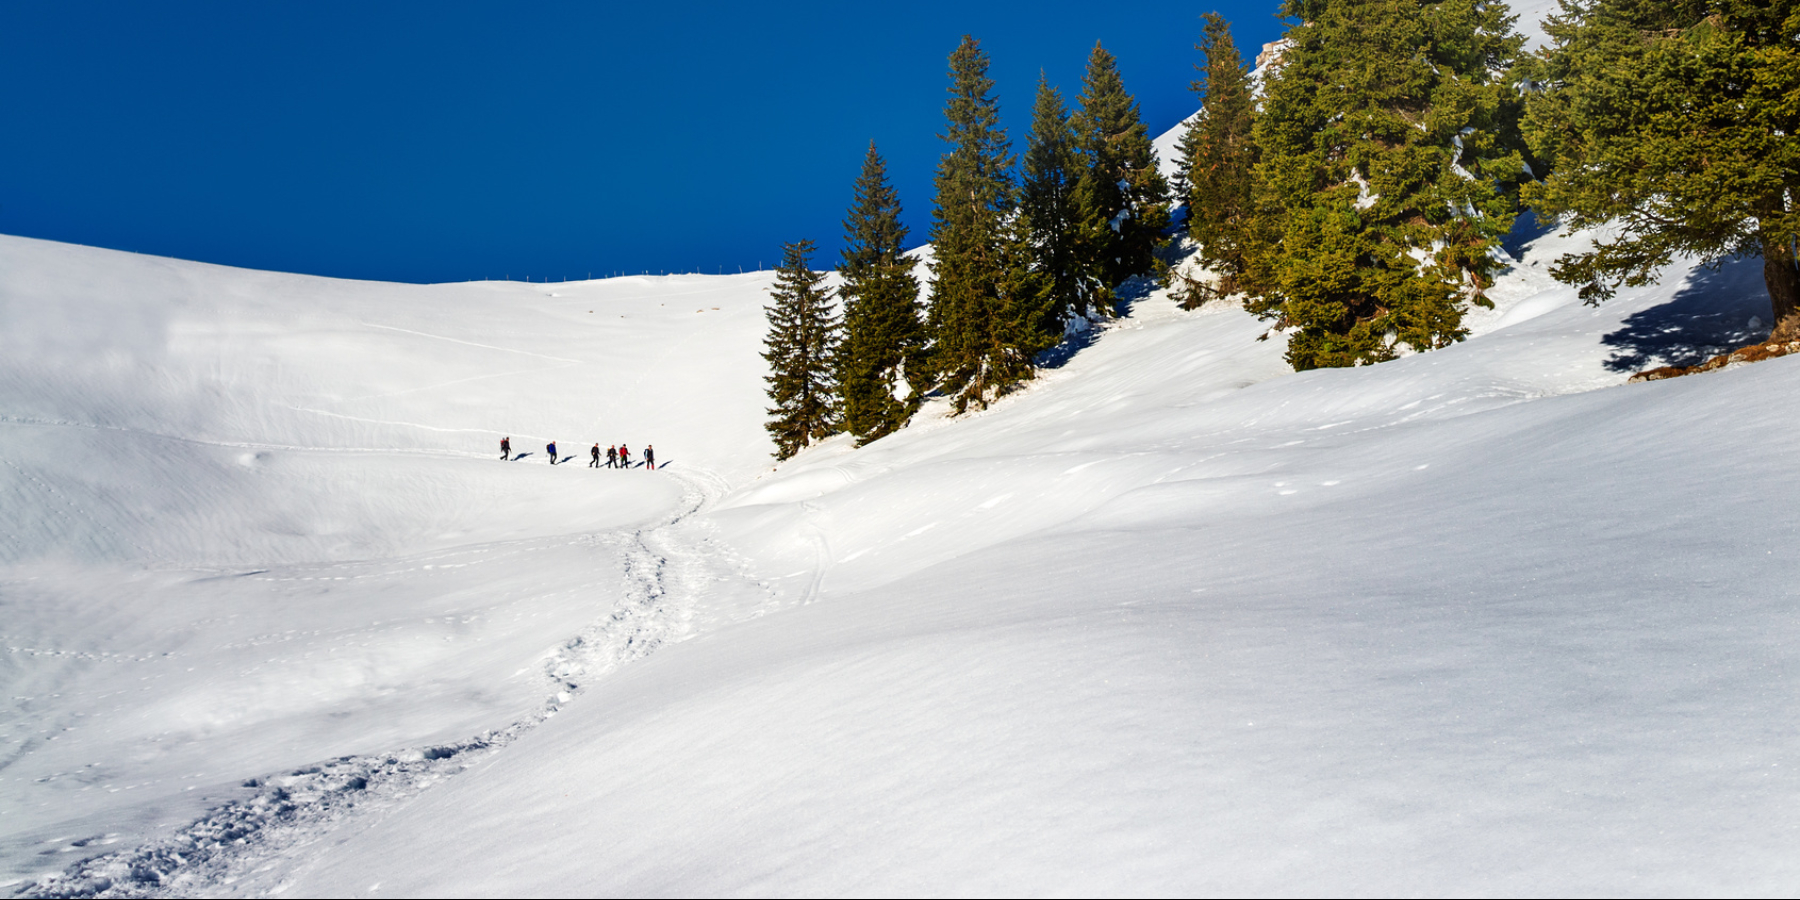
251,520
1173,620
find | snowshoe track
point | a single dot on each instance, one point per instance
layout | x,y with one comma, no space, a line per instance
250,847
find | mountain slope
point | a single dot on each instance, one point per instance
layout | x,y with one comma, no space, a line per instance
1173,619
251,521
1479,620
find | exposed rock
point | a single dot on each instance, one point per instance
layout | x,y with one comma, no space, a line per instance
1785,340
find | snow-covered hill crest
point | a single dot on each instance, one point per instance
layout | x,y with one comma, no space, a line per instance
251,520
1173,619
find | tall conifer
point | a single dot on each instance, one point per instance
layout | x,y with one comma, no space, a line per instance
1388,160
883,335
990,312
1122,195
800,348
1219,154
1051,169
1677,124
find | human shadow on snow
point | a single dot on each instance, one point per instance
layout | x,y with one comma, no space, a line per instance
1711,314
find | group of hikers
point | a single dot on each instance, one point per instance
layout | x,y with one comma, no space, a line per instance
617,457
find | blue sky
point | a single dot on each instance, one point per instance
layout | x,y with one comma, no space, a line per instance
447,141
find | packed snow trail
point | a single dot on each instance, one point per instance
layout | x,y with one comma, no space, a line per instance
251,521
1173,619
248,847
1172,622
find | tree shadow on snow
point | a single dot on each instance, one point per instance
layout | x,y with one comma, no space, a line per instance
1526,228
1058,356
1135,289
1709,315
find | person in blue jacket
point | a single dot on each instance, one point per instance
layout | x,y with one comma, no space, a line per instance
551,449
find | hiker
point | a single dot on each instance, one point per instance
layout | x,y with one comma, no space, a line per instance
650,456
624,457
551,449
595,453
612,457
506,447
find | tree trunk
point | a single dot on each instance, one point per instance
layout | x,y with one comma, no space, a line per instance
1783,280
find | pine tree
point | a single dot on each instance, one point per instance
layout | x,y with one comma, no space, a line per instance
990,312
1121,196
883,335
1219,155
1388,163
1678,123
800,348
1051,168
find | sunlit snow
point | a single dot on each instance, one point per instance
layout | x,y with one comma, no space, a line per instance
1172,620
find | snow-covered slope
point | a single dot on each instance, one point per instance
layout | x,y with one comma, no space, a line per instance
1480,620
251,520
1173,620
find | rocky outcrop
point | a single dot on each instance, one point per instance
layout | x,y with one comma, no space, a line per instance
1742,356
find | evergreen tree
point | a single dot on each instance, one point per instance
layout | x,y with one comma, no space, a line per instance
1051,168
1121,196
990,312
1219,155
800,348
883,335
1677,122
1388,160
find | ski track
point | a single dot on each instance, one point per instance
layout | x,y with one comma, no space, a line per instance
248,847
822,555
440,337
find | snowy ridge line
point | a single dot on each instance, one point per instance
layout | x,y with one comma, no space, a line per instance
247,846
